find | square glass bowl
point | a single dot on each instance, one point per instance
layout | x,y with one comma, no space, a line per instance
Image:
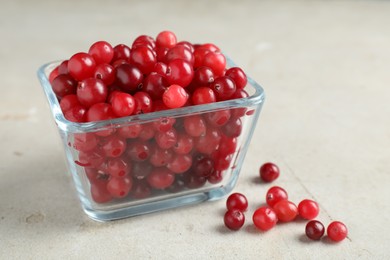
119,169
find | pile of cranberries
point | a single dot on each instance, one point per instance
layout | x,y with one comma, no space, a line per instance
279,208
171,153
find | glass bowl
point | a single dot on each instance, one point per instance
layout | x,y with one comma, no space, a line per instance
106,155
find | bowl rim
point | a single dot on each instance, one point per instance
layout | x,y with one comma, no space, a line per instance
62,123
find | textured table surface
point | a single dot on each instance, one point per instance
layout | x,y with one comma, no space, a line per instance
326,123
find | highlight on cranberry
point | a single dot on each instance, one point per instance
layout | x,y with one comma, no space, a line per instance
149,75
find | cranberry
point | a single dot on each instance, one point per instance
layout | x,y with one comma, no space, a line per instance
285,210
215,177
194,125
129,77
223,87
63,68
203,76
218,118
84,142
64,85
106,73
237,201
91,91
238,76
184,144
131,131
68,102
123,104
180,163
203,167
203,95
138,150
121,52
155,85
141,170
227,145
180,52
143,103
81,66
160,157
76,114
144,40
275,194
160,178
102,52
209,142
175,96
233,127
337,231
144,58
269,172
314,230
118,167
308,209
140,189
199,55
180,72
234,219
264,218
119,187
91,159
164,124
113,146
166,39
166,140
221,161
100,194
148,132
210,47
216,61
100,111
186,44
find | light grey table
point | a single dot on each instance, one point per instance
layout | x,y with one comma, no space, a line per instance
326,123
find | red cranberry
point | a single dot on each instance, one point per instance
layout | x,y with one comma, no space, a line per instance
102,52
308,209
64,85
237,201
337,231
285,210
81,66
234,219
275,194
264,218
314,230
269,172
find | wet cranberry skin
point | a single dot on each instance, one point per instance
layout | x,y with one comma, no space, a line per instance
81,66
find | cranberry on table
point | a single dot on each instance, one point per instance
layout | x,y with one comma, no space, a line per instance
275,194
285,210
308,209
314,230
269,172
264,218
234,219
237,201
337,231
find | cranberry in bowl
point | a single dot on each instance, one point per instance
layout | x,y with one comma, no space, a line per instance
151,125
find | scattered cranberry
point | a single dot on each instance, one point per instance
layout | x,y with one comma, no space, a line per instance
269,172
314,230
237,201
308,209
275,194
337,231
285,210
265,218
234,219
